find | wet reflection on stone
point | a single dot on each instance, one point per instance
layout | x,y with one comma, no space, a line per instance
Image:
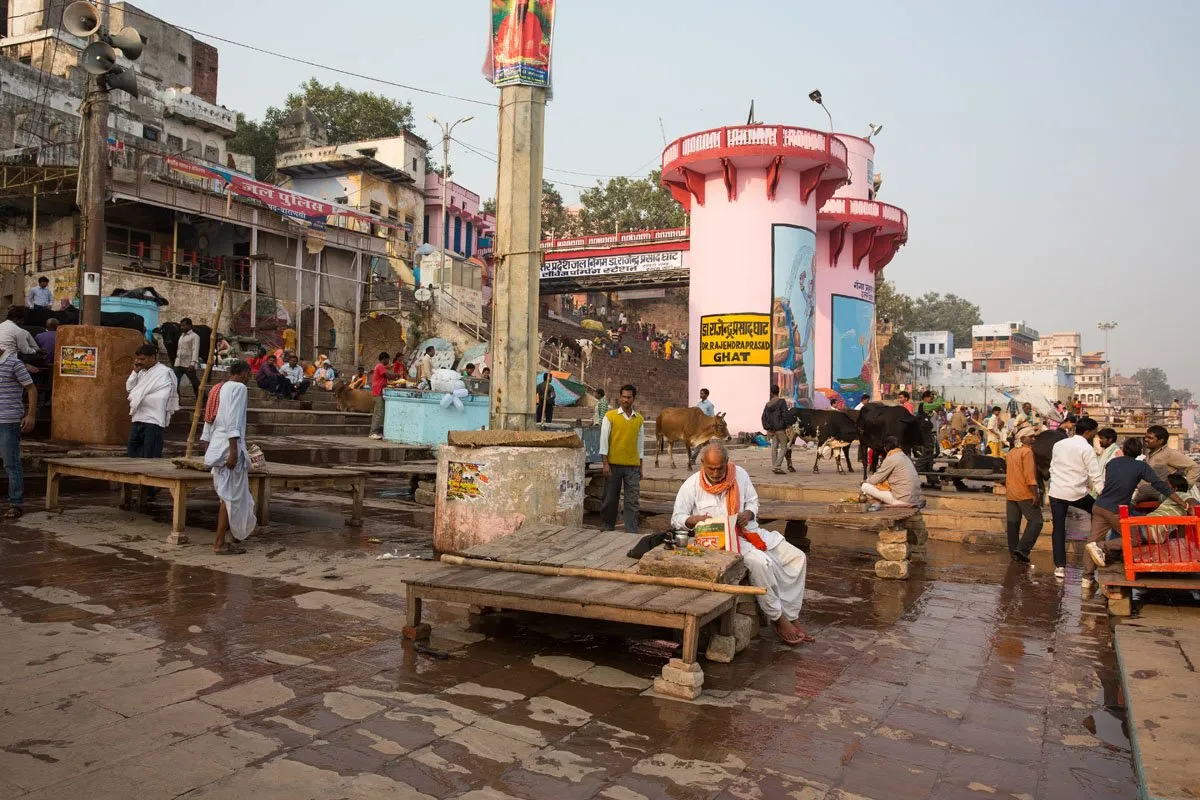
130,664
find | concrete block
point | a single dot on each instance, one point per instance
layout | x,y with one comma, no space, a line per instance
893,537
713,565
683,666
669,689
897,570
747,605
892,552
721,649
744,630
681,678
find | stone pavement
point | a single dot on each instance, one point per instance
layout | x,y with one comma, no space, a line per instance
1159,651
134,669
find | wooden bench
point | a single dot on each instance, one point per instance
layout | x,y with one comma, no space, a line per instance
162,473
686,610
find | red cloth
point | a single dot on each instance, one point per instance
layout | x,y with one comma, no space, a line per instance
255,363
399,370
379,379
211,407
733,501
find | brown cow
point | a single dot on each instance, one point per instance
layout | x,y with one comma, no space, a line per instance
359,401
688,425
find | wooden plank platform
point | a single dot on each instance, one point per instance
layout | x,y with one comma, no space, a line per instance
1119,589
164,474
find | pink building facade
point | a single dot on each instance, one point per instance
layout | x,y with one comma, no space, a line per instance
463,228
784,247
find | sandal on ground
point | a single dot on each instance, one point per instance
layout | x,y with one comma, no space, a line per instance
14,512
230,550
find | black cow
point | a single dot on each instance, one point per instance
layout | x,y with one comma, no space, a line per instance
170,333
36,317
1043,449
825,425
878,421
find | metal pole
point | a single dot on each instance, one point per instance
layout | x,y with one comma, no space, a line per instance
253,272
299,290
33,245
316,333
358,296
96,171
174,244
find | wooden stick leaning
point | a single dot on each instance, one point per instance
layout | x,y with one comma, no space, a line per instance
625,577
212,354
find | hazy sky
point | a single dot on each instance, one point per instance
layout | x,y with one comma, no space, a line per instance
1040,148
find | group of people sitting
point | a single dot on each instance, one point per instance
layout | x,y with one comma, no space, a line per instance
281,374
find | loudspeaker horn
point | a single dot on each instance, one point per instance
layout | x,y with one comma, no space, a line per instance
81,18
128,41
123,79
99,58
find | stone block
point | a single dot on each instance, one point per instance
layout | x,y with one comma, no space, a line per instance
918,537
721,649
747,605
1000,489
917,552
712,565
897,570
893,537
892,552
744,630
681,678
591,504
669,689
683,666
424,497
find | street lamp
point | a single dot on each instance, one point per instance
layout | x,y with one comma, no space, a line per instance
815,96
1106,327
447,130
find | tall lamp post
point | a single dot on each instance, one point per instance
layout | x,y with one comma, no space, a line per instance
444,230
815,96
1106,327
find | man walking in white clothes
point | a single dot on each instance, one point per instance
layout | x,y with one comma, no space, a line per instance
187,356
230,464
723,489
1074,475
153,392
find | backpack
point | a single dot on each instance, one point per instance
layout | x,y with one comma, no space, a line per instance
773,416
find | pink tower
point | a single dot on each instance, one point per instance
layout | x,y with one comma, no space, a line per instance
764,303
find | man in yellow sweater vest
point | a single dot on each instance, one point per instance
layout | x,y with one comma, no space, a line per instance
623,444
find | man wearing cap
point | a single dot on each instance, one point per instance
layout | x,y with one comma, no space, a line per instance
1022,493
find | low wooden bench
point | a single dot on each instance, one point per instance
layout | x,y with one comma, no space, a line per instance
686,610
162,473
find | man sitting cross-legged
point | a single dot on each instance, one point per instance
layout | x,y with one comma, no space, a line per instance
722,489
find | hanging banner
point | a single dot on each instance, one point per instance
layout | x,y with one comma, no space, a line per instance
520,42
306,210
735,340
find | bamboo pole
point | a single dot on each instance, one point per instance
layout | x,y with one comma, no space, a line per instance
212,352
625,577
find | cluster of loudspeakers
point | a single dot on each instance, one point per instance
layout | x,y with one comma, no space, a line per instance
82,19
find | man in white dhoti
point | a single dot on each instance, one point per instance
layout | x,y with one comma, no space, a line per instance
153,392
722,489
230,464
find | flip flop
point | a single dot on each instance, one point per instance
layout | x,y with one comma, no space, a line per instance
787,641
14,512
230,551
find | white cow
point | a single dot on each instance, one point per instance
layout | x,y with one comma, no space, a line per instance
585,347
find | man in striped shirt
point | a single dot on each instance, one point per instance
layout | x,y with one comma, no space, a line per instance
18,404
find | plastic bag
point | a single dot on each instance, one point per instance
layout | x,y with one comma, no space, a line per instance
258,458
458,404
461,392
446,400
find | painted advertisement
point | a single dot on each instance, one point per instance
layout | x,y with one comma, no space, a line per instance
792,311
735,340
853,342
78,362
521,38
612,265
465,480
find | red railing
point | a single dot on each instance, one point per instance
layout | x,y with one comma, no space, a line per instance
782,137
1172,544
616,239
869,210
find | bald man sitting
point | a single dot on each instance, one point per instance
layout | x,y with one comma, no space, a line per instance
722,489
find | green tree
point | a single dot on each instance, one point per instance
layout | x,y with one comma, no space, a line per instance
935,312
489,206
555,219
1156,389
897,308
629,204
348,115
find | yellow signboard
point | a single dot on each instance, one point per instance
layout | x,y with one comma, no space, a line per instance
735,340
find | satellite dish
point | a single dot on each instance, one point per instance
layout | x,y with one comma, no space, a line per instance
81,19
422,295
128,41
99,58
122,79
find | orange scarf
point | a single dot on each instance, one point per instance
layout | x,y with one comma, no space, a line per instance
733,501
214,402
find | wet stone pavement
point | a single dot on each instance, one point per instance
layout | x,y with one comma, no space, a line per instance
132,670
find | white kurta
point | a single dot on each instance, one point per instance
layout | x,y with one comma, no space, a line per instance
232,485
153,395
781,569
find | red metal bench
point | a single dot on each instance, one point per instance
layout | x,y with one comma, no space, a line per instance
1178,554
